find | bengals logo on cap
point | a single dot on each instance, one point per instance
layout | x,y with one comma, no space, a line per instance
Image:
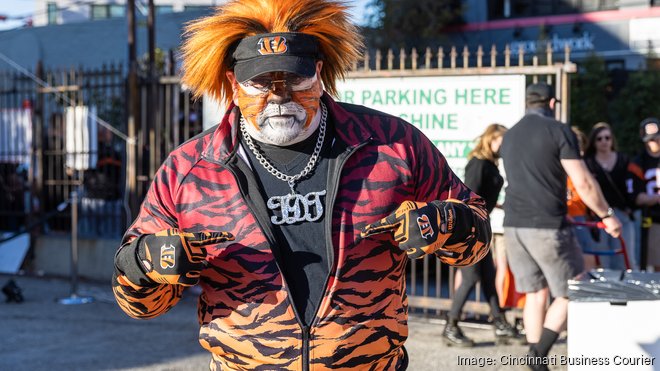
272,45
425,226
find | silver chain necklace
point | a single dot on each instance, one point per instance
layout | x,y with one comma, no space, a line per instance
293,207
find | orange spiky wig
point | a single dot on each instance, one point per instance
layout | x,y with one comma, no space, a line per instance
207,50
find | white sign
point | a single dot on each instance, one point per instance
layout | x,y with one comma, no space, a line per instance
81,137
15,136
452,111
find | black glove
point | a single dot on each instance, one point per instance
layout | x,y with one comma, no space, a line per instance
169,256
418,227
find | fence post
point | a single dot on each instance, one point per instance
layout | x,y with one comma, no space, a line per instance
441,57
131,153
74,298
38,144
493,56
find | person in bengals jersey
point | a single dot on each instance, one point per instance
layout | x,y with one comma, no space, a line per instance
296,214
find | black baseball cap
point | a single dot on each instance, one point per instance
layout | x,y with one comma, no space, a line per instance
649,129
292,52
539,93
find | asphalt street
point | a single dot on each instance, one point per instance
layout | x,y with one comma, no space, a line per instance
42,334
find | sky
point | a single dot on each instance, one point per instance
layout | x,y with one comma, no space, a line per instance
14,8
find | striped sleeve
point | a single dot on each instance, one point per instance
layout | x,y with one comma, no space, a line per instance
436,181
157,212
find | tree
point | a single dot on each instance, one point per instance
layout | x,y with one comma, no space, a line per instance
636,101
589,94
411,23
595,97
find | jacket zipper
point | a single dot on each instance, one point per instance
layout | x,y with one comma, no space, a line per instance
271,242
329,247
305,347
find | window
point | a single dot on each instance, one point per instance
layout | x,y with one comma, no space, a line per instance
100,11
588,5
164,9
609,4
496,9
104,11
51,8
196,7
616,64
117,11
535,8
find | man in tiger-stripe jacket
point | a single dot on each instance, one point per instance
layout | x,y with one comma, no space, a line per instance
296,214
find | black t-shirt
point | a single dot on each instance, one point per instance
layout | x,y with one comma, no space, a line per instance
305,262
536,191
619,185
483,177
651,167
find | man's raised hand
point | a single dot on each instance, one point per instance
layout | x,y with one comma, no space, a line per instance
420,228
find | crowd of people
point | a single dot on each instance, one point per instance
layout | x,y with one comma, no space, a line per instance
629,186
559,178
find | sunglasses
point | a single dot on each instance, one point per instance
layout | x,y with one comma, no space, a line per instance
603,138
263,85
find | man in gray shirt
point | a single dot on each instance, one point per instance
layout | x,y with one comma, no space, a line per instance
538,153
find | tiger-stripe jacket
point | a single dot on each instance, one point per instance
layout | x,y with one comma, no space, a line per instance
246,314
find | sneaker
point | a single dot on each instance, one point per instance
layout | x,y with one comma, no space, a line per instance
453,335
505,332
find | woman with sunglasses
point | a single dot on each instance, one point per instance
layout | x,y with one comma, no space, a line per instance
620,179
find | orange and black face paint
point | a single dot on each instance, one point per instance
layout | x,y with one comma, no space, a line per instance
310,100
252,105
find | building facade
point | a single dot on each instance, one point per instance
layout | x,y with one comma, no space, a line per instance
51,12
623,32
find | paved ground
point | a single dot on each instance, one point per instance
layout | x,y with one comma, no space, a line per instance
41,334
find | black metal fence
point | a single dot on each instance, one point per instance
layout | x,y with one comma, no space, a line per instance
168,117
16,93
63,131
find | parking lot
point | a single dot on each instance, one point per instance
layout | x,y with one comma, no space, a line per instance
42,334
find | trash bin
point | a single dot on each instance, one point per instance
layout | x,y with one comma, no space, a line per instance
614,321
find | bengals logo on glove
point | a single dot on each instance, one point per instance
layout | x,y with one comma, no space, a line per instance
175,257
425,226
418,227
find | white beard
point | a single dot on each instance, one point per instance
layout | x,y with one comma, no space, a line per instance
282,124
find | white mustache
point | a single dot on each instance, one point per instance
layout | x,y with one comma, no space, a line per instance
287,109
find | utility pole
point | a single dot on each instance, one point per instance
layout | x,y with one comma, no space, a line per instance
152,105
132,108
151,19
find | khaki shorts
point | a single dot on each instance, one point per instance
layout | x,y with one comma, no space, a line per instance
543,257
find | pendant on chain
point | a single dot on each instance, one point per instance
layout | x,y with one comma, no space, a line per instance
295,208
